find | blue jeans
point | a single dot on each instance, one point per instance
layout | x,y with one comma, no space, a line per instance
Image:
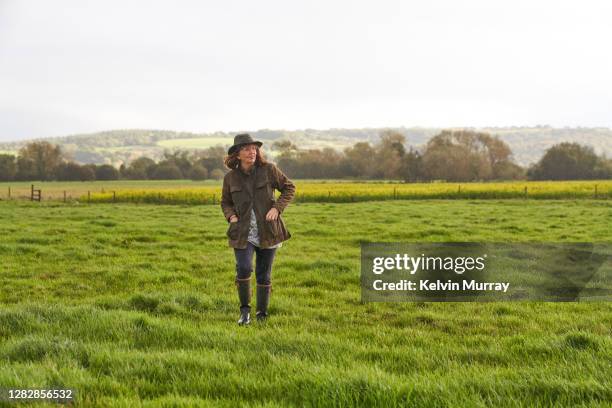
263,263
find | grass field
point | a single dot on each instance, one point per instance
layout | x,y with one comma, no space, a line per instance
134,305
339,191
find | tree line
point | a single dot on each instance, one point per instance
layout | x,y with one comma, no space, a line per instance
451,155
43,161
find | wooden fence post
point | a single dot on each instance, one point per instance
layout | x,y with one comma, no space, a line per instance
64,195
9,196
595,190
35,194
525,191
114,196
459,189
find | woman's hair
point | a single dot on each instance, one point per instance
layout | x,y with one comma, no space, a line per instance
232,162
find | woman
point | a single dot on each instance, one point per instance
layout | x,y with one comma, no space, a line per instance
255,224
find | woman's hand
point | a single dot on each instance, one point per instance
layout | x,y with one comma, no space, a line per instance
233,218
272,215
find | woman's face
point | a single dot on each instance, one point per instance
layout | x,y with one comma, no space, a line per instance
247,155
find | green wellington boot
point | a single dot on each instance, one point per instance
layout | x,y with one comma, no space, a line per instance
263,300
244,294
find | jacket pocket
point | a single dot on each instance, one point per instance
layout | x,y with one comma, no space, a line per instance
233,230
236,188
263,189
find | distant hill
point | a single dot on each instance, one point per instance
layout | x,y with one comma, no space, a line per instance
119,146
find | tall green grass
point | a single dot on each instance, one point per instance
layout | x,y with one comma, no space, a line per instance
135,306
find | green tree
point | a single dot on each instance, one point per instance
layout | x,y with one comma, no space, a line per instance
8,167
315,163
26,169
287,157
106,172
180,159
211,158
39,160
603,169
569,161
198,172
167,171
71,171
390,154
359,160
412,166
465,155
139,169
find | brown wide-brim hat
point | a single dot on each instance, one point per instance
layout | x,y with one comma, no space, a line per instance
241,140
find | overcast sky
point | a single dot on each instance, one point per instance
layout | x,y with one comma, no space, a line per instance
82,66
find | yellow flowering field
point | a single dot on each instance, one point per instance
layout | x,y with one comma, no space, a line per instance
340,192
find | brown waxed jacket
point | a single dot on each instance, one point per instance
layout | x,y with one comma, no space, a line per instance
243,192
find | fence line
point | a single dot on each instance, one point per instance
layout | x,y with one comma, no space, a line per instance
190,197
